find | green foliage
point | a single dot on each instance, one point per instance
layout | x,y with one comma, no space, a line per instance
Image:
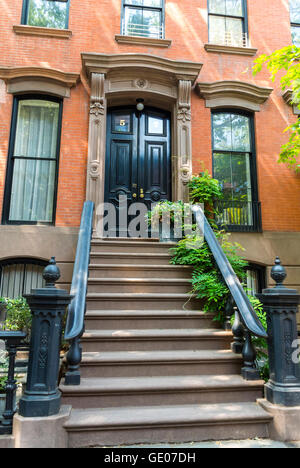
173,209
286,62
18,314
206,280
204,189
3,370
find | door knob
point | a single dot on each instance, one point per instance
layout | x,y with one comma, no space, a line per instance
134,195
142,193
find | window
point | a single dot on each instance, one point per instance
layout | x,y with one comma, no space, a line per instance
295,21
19,276
234,166
256,279
143,18
228,22
46,13
30,192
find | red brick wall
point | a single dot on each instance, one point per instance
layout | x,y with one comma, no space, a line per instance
94,24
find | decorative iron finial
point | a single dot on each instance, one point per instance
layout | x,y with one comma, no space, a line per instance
51,273
278,273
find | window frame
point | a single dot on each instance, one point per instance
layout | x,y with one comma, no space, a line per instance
261,272
252,158
142,7
293,25
20,261
244,18
24,16
10,161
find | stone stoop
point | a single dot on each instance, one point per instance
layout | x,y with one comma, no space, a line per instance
155,368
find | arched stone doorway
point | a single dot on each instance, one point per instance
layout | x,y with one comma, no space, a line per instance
120,79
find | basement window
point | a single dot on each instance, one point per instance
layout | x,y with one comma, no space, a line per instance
46,13
20,276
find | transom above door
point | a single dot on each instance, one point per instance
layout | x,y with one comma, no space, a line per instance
138,161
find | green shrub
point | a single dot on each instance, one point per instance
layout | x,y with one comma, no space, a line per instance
18,314
204,189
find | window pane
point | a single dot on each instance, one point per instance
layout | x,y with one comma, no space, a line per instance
32,192
233,172
222,134
234,7
37,128
150,3
216,30
49,14
217,6
133,22
295,11
151,22
252,282
231,132
121,123
234,31
222,172
240,133
155,125
241,178
296,35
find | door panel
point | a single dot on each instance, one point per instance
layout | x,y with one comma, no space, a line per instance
138,162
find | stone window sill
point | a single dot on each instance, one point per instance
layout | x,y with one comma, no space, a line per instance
147,41
225,49
40,31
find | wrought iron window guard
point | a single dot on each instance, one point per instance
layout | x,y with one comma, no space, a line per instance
239,216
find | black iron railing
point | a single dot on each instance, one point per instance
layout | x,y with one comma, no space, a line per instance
238,216
76,311
13,341
245,313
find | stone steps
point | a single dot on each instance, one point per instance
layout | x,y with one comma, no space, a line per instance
145,319
155,367
131,247
160,363
155,339
139,285
171,423
138,271
138,301
165,390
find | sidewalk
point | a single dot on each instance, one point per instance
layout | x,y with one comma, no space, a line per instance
257,443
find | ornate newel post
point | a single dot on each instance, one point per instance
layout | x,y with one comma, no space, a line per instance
48,306
281,306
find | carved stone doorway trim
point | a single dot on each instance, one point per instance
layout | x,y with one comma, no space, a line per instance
120,79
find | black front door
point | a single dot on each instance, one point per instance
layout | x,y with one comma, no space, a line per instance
138,161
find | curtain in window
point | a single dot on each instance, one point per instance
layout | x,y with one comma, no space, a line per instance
34,173
17,279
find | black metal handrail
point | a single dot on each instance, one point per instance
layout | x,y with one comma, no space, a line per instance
240,298
13,341
76,310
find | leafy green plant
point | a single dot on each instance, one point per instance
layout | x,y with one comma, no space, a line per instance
285,63
205,189
18,314
174,210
